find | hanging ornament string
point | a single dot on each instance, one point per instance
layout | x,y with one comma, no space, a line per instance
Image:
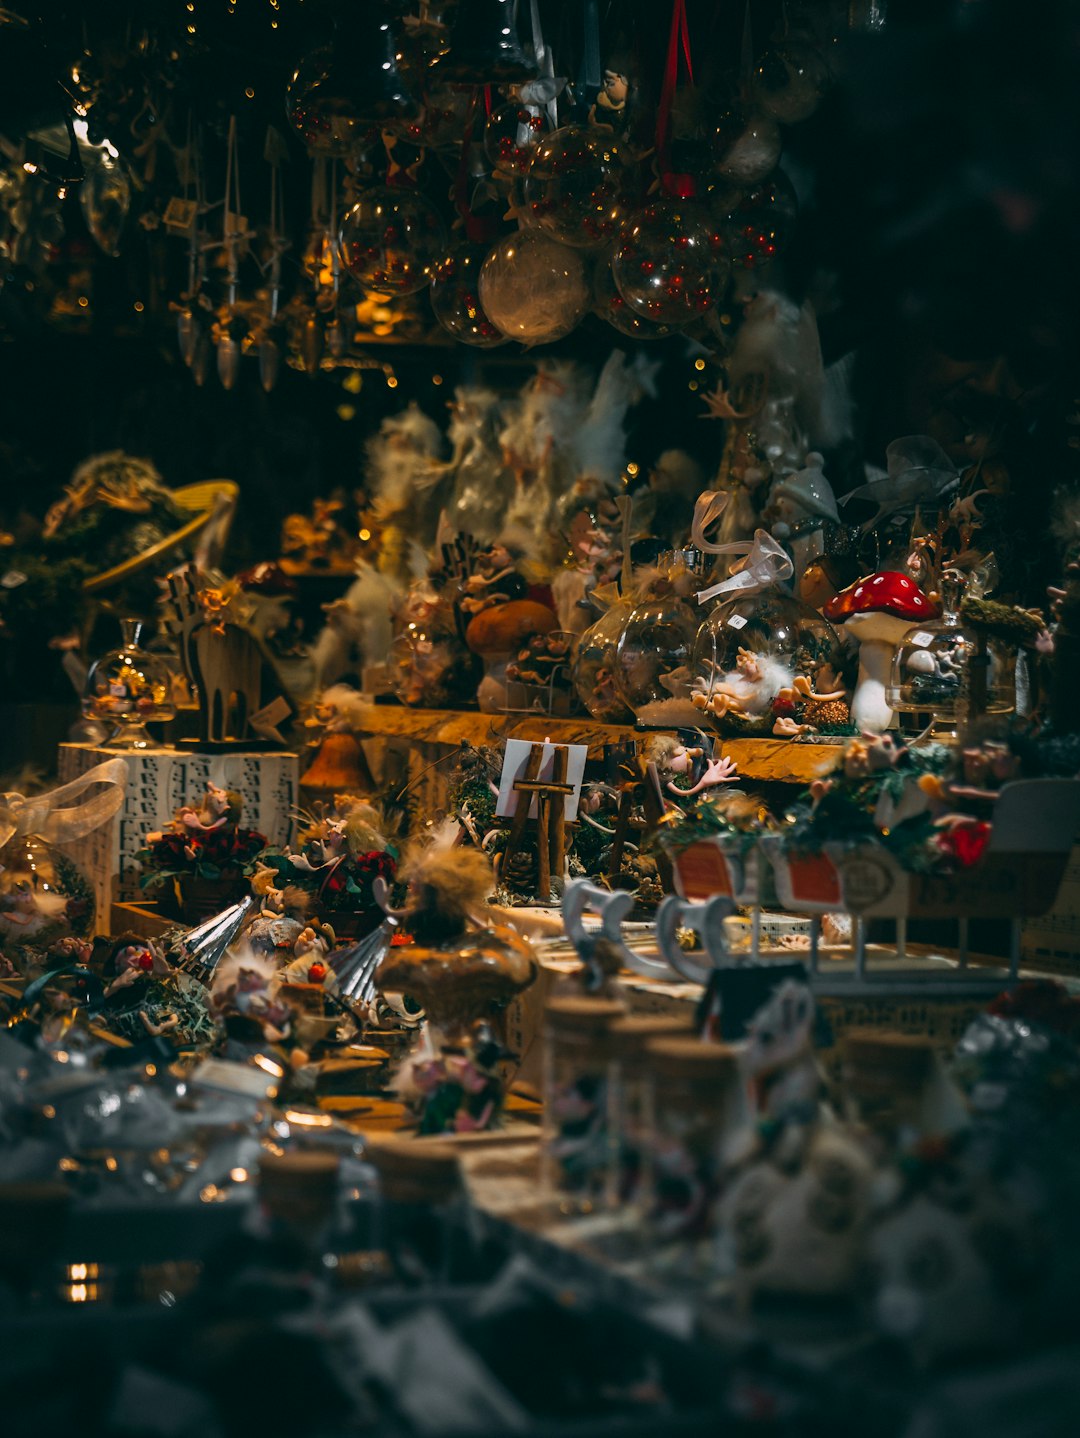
765,564
233,220
479,230
67,813
545,61
590,78
677,185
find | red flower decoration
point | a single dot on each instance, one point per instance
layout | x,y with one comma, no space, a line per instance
966,842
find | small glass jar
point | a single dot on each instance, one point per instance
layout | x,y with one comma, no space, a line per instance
765,657
887,1084
129,687
656,644
944,674
696,1103
577,1138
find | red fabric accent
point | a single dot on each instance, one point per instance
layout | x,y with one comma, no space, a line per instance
680,186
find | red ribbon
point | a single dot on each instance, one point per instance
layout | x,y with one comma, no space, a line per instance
681,186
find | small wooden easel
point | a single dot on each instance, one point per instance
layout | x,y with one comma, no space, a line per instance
550,815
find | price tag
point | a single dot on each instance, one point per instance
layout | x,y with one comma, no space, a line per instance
12,579
181,215
921,638
737,621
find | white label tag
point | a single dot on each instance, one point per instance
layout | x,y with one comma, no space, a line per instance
225,1076
13,578
737,621
921,638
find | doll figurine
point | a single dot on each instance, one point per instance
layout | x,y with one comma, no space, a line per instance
220,808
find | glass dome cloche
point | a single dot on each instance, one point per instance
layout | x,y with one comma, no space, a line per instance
765,664
656,644
595,664
130,688
945,673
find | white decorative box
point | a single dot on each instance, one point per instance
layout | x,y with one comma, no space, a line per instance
159,782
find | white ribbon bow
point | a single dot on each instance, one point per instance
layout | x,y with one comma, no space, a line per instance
765,563
55,817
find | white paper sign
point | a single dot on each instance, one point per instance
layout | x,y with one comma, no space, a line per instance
514,763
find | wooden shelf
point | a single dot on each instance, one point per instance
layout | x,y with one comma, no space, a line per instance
778,760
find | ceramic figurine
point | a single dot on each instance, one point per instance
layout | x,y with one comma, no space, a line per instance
798,509
877,612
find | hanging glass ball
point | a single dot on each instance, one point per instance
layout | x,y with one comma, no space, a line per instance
511,136
609,305
763,658
391,240
455,299
576,189
789,82
746,147
442,120
761,223
534,290
669,264
342,90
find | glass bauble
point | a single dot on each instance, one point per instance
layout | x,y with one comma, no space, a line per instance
391,241
105,196
43,896
442,120
130,688
759,226
609,305
455,298
595,665
576,188
669,264
766,657
656,644
534,289
789,82
511,136
341,91
746,147
943,676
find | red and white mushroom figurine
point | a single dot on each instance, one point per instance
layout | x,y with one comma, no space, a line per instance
877,611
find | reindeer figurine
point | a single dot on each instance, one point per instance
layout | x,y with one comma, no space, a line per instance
221,658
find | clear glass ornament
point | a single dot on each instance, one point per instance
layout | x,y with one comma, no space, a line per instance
455,299
609,305
576,188
130,688
759,226
746,147
105,196
670,264
44,897
512,134
944,674
656,644
534,289
391,241
790,81
766,657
